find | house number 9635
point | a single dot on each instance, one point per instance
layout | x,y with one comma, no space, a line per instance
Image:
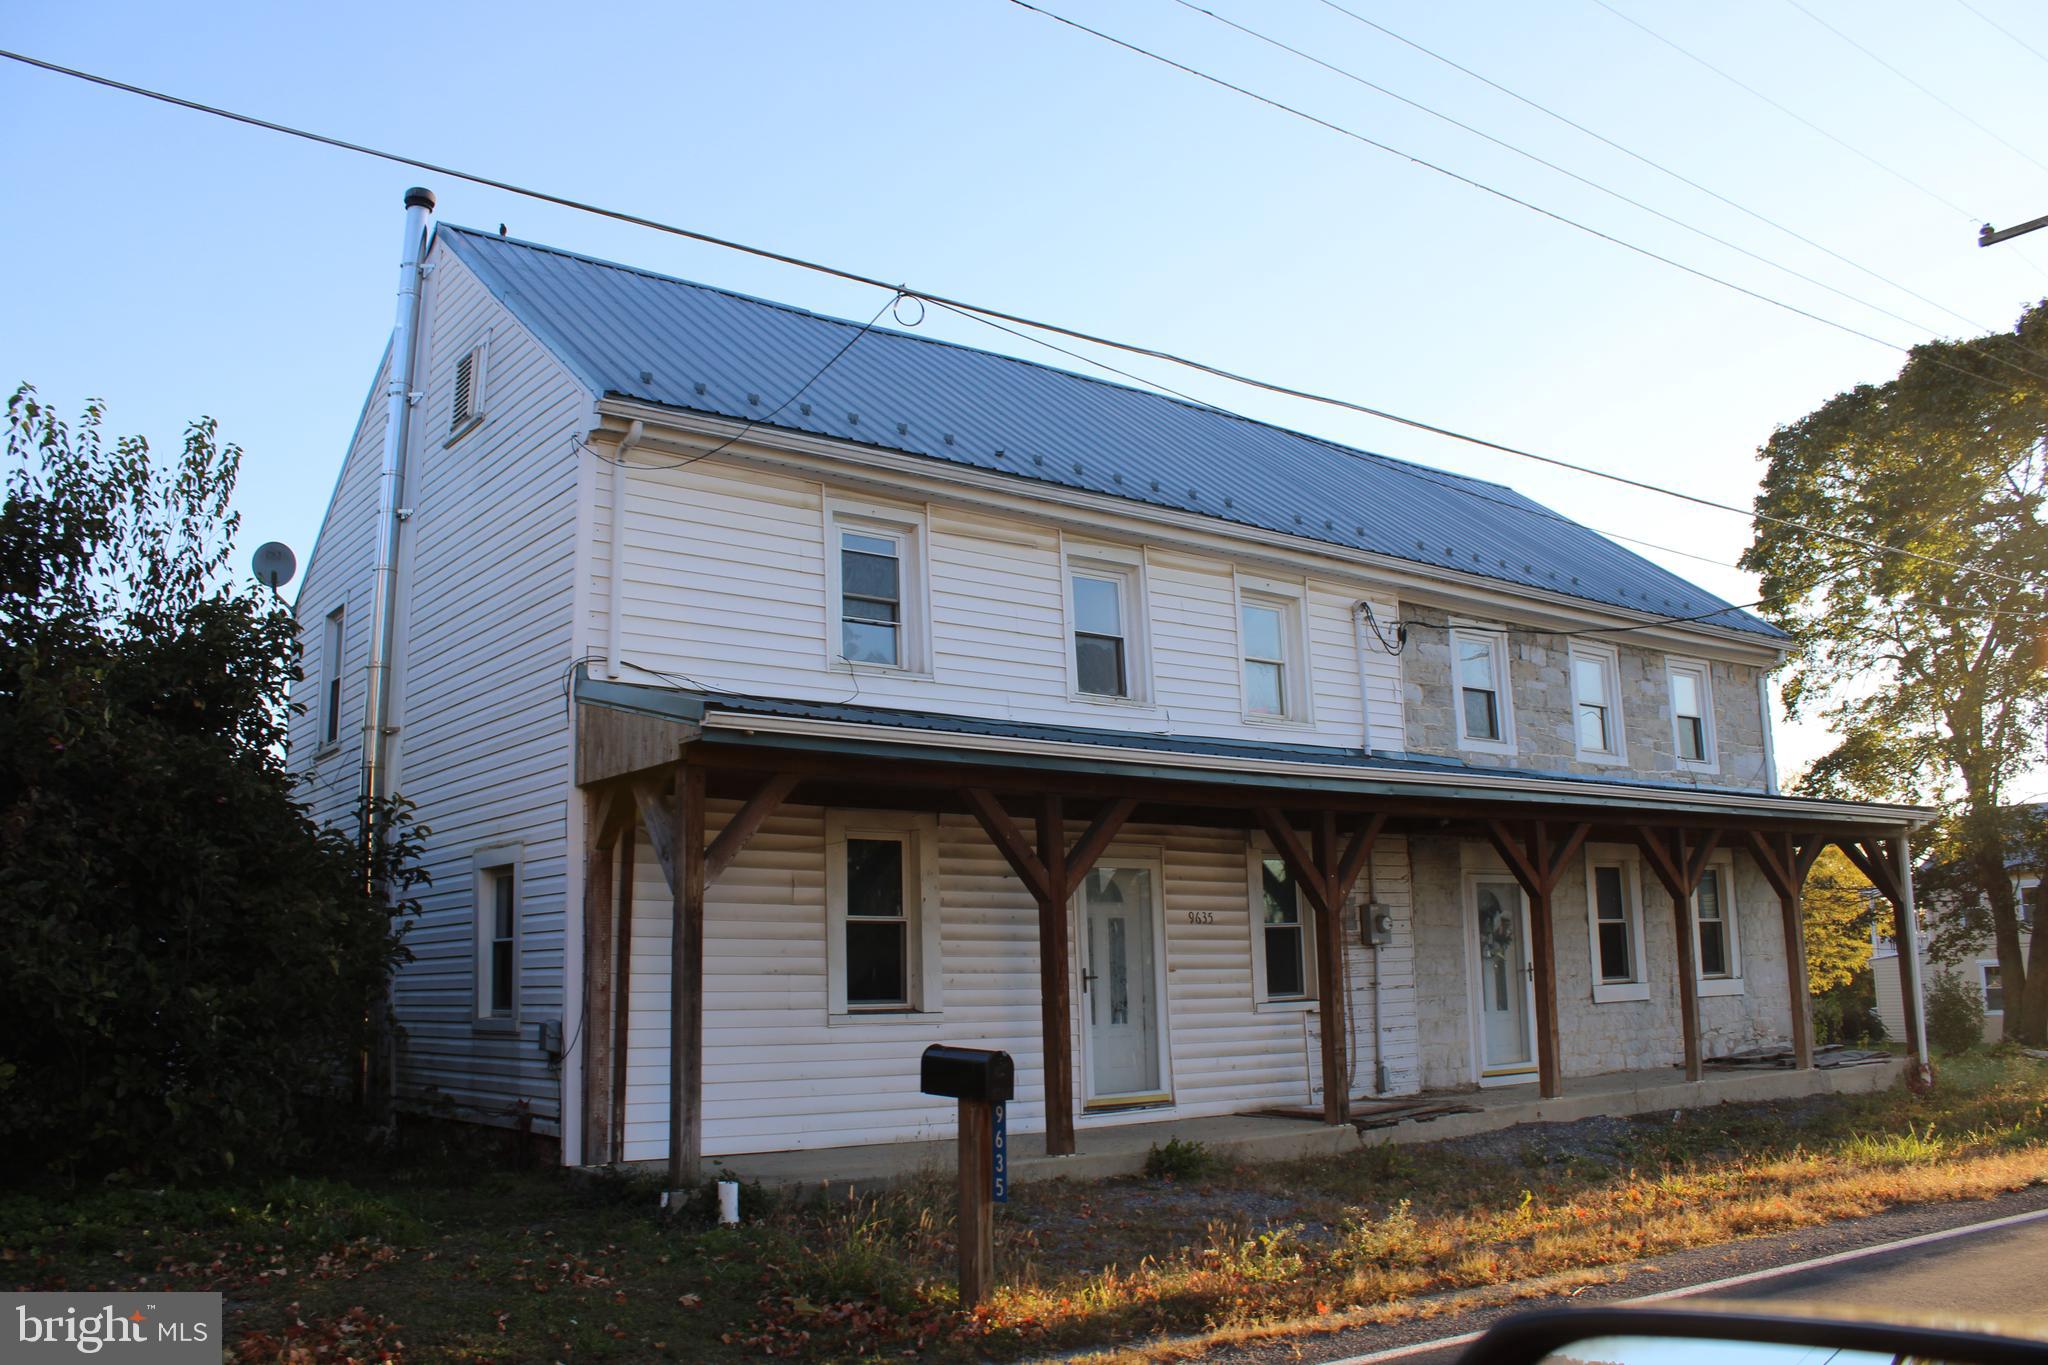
1201,917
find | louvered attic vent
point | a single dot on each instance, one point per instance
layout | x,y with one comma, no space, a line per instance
466,407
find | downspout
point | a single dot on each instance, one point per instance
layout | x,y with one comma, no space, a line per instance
615,569
1924,1073
1364,684
398,397
1763,698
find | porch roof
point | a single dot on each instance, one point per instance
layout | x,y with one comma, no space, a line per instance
853,730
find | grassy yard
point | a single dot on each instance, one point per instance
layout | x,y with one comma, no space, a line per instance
437,1257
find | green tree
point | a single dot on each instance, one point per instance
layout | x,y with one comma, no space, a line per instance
189,958
1837,911
1934,678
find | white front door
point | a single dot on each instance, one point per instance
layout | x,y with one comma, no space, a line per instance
1506,980
1120,993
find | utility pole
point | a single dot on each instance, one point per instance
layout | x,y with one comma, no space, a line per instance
1990,235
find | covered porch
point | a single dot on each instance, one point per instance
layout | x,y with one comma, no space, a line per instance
1053,802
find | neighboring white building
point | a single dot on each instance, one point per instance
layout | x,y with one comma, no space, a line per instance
1979,969
852,651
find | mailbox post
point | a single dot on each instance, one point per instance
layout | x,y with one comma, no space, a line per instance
980,1079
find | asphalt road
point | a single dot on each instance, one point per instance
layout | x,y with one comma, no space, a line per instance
1929,1259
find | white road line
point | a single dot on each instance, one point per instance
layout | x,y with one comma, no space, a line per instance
1860,1253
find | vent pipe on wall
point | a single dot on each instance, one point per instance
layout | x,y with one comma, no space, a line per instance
399,397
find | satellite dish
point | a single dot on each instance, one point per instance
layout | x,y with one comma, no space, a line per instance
275,564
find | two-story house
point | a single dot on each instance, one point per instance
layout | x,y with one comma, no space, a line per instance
784,696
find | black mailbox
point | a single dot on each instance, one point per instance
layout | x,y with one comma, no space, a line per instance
968,1073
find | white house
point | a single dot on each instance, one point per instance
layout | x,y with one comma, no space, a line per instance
784,696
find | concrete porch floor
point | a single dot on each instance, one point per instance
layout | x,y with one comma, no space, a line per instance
1120,1149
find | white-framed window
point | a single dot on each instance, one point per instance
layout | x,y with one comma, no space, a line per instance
1596,703
1283,933
1614,918
882,915
332,640
1717,947
496,876
875,575
1272,652
466,391
2033,899
1994,988
1480,694
1692,714
1109,652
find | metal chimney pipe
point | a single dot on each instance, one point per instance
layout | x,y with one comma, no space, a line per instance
398,400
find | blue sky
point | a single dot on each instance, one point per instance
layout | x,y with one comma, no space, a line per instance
177,265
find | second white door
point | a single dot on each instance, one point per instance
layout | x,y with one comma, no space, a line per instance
1120,996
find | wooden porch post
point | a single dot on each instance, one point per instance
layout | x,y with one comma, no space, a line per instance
1327,877
1674,871
1885,863
622,996
598,1040
1050,872
686,984
1785,864
1538,863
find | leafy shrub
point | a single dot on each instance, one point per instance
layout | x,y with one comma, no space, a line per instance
1955,1013
1847,1013
1180,1160
189,957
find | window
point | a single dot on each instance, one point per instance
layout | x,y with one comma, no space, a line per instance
1615,913
466,402
882,918
1270,650
1596,702
1283,938
497,934
1718,954
330,679
876,588
1479,678
2033,898
1692,715
1994,989
1106,606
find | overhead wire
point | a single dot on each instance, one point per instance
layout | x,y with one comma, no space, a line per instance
1548,164
1659,166
985,312
2043,56
1484,188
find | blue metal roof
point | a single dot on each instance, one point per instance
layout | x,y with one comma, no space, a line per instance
634,334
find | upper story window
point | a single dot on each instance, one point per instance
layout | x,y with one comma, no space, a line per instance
2033,899
1596,702
881,913
1283,945
332,640
1271,650
1615,909
876,577
1479,686
1692,714
1106,607
1718,951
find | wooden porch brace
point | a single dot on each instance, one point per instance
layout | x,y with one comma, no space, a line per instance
1538,862
1327,879
1051,872
676,830
1785,862
1886,863
1678,870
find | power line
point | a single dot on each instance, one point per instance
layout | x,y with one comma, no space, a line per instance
1792,114
1989,132
1553,166
2003,29
1659,166
1485,188
1055,329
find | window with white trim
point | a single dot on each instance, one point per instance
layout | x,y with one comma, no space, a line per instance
1692,714
496,879
2033,899
1106,613
1716,946
466,392
1283,933
1614,910
1481,695
881,913
332,640
875,578
1596,702
1273,658
1994,988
